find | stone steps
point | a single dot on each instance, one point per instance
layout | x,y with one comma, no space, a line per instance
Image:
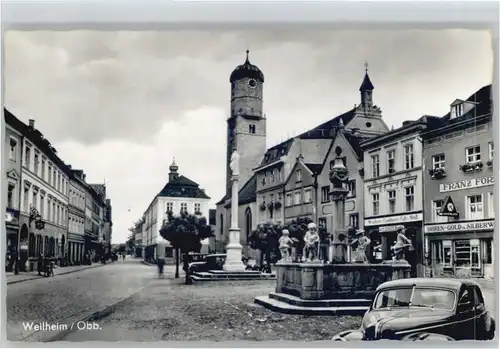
322,303
220,275
286,308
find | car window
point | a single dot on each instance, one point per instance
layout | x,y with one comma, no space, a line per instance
421,297
399,297
478,296
467,297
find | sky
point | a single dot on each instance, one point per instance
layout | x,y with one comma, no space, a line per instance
121,104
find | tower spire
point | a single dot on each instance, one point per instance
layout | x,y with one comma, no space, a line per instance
366,67
247,60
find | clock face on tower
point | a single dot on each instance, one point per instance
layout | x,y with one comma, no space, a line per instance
252,83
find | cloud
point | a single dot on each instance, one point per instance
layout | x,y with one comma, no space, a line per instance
121,104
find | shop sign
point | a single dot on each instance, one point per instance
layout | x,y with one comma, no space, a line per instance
387,229
458,227
467,184
413,217
449,209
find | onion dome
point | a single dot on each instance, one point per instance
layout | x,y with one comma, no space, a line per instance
173,167
246,70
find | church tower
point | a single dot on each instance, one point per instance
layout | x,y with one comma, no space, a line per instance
246,125
366,90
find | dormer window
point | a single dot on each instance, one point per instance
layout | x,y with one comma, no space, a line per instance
457,109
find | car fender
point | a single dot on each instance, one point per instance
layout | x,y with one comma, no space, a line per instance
427,336
349,335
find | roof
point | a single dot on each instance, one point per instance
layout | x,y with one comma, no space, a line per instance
455,284
182,187
366,85
409,127
246,70
315,168
276,152
355,142
482,99
36,137
247,193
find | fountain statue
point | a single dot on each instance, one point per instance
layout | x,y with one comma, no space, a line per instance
311,239
402,244
361,242
285,244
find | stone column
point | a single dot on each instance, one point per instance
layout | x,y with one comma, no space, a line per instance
233,249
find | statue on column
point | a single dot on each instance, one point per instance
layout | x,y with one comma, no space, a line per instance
402,244
311,240
234,165
285,244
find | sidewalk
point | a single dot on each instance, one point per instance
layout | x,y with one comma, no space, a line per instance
25,276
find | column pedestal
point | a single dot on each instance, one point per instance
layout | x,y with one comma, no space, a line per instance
233,261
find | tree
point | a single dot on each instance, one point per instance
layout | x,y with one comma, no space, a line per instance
185,233
266,239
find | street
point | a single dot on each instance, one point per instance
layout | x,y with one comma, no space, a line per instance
66,297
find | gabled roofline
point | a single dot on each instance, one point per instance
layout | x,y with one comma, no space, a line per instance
414,126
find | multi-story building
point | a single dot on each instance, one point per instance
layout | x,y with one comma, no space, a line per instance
107,232
459,215
94,203
138,233
12,186
105,223
180,194
44,194
76,216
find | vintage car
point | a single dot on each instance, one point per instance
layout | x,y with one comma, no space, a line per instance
209,262
425,309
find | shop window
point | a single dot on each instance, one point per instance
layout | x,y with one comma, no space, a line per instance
447,253
475,207
437,205
462,253
475,261
486,251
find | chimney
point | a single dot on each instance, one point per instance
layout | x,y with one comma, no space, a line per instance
84,176
31,123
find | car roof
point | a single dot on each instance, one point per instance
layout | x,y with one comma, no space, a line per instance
454,284
217,255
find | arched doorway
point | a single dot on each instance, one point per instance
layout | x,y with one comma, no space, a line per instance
52,247
248,223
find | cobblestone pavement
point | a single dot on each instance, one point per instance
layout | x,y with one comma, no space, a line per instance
167,310
66,297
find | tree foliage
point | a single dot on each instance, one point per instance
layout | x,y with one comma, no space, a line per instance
186,231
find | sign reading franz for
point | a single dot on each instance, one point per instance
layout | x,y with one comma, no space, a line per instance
467,184
412,217
463,226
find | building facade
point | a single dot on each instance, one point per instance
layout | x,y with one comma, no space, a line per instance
43,196
459,214
393,188
76,217
180,194
12,186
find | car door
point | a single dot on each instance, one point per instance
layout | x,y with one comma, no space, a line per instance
465,315
480,313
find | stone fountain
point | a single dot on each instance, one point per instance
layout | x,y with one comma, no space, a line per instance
343,283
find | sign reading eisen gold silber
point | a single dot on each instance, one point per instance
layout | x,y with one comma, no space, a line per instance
462,226
467,184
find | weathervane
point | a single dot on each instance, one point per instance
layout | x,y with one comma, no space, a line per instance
366,67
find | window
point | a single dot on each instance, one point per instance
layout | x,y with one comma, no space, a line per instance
409,157
26,200
462,253
438,161
13,149
325,194
475,262
410,198
197,207
58,181
251,128
36,162
307,195
27,157
49,213
53,211
263,179
491,206
49,172
375,166
35,199
278,174
297,198
392,201
354,220
43,169
457,110
42,205
288,199
391,161
475,207
375,204
54,177
298,175
351,186
10,195
184,207
491,149
473,154
437,206
271,177
170,207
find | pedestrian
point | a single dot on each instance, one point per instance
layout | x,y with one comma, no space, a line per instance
39,264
